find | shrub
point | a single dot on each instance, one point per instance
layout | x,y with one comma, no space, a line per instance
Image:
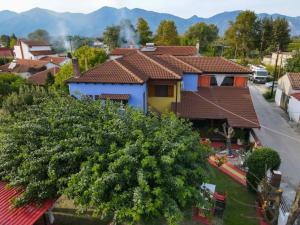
258,163
269,97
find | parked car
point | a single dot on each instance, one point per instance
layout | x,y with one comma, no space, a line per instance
269,84
260,74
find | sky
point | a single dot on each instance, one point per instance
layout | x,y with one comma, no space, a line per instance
182,8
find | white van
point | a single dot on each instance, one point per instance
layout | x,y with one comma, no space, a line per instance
260,74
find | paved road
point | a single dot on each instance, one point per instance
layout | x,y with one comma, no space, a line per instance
274,118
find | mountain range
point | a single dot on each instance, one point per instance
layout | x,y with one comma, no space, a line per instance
93,24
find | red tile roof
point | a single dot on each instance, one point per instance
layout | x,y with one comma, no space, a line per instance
115,96
45,52
147,67
26,215
295,80
40,78
108,72
296,96
54,59
35,42
23,65
177,64
233,104
6,52
160,50
215,65
132,68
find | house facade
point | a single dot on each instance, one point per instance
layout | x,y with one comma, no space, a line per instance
288,95
33,50
287,85
193,87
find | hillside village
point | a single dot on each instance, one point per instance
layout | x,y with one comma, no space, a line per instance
151,127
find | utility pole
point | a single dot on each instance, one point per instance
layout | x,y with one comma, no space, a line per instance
275,72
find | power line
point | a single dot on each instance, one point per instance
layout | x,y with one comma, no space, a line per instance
243,118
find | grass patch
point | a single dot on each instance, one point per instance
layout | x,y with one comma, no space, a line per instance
269,97
240,208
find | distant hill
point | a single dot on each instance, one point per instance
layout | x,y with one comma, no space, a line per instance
93,24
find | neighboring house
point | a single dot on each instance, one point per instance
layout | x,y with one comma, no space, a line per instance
25,68
287,85
282,58
6,53
59,61
29,49
150,49
294,107
198,88
40,78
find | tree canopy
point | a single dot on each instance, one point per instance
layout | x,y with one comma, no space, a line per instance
293,64
166,33
39,35
9,83
144,32
125,165
111,36
89,57
242,34
202,33
258,163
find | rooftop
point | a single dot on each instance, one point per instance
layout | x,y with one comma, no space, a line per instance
138,67
26,215
6,52
54,59
40,78
295,80
44,52
35,42
233,104
23,65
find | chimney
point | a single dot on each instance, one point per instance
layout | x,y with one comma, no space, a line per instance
76,69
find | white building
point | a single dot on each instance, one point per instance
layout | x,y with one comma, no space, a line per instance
294,107
28,49
282,59
288,94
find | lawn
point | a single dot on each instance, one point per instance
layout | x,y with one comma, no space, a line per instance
240,208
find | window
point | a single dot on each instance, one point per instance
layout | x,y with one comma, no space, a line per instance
161,91
228,81
213,81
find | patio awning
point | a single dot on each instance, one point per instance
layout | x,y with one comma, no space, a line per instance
119,97
26,215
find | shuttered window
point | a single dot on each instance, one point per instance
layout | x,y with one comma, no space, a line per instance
161,91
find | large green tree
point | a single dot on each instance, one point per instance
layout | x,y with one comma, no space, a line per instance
202,33
89,57
123,164
111,37
144,32
243,33
258,163
281,34
293,64
39,35
265,35
167,34
9,83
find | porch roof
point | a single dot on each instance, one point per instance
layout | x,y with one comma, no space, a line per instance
232,104
25,215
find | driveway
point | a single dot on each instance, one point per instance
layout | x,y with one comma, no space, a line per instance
281,135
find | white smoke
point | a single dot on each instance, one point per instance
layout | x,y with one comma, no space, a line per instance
128,34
